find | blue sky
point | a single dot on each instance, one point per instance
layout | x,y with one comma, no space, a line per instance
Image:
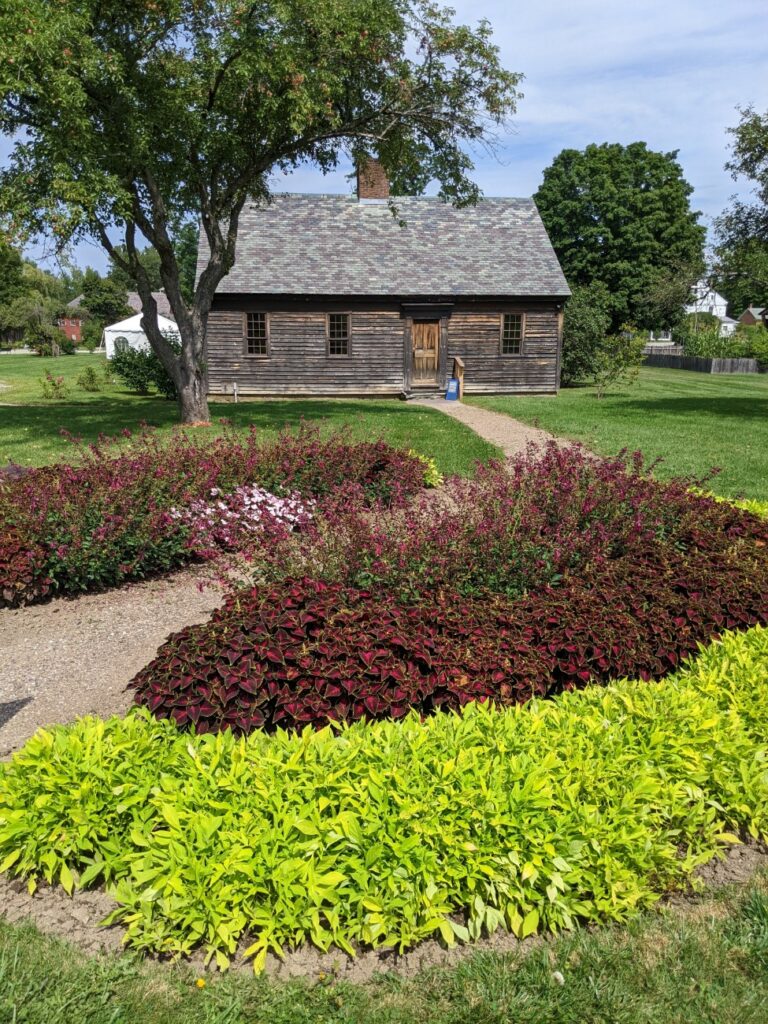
667,72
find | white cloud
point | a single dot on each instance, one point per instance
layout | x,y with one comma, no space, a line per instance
667,72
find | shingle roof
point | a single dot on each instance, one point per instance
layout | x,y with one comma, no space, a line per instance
163,305
336,245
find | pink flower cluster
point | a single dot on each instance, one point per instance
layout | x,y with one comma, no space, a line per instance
228,520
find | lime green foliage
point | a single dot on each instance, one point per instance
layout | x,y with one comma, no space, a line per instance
757,508
31,433
661,968
693,421
432,475
583,807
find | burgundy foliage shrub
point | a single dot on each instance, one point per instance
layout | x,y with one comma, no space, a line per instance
511,529
307,652
113,515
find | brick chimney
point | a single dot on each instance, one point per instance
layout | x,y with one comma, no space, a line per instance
372,180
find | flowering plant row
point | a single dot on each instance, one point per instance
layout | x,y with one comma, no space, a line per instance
120,515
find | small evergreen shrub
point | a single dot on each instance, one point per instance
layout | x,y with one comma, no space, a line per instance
89,380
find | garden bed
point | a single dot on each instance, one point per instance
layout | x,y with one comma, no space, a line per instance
113,517
379,739
584,807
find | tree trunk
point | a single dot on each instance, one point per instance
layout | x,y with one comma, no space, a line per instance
193,403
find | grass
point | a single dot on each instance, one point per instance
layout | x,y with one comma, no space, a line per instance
693,421
31,425
705,964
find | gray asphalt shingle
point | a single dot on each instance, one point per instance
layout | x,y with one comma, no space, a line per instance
335,245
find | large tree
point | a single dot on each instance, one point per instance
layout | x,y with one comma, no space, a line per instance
131,117
621,215
741,265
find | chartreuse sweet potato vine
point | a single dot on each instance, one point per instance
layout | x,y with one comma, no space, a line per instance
585,806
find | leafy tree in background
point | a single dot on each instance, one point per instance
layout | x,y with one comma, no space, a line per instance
149,259
745,221
104,298
621,215
740,273
741,265
586,324
180,110
185,246
11,273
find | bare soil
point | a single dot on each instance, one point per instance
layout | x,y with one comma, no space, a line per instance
77,918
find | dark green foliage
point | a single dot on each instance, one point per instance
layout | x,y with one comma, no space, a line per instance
104,298
142,371
185,247
747,222
89,380
11,281
585,326
149,259
620,215
741,272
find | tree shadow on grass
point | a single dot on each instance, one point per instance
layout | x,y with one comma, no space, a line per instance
725,406
39,427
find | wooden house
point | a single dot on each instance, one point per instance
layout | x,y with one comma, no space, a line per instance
333,295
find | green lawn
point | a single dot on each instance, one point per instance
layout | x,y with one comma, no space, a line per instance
694,421
30,426
705,965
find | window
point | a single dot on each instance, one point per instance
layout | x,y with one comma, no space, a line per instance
338,334
512,334
256,336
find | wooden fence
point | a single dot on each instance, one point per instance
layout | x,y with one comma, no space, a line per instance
700,365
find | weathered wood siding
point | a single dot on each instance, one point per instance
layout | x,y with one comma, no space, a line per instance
474,335
298,362
379,361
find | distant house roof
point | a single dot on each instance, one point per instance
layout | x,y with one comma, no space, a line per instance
134,302
163,305
337,245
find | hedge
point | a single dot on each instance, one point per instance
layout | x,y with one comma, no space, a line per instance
583,807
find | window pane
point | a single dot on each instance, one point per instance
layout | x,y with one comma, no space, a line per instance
512,334
338,334
256,334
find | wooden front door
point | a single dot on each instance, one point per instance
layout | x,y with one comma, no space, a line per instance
426,351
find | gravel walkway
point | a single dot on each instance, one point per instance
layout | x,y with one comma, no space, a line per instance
74,656
506,433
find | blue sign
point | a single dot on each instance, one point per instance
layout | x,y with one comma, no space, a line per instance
452,394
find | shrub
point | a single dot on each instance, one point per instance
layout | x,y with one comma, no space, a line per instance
585,807
307,653
89,380
110,518
618,360
511,529
142,370
586,324
53,388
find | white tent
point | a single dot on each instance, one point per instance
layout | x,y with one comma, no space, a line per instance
130,329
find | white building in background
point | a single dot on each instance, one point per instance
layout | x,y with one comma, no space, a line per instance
133,336
706,300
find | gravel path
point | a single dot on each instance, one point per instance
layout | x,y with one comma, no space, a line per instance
506,433
74,656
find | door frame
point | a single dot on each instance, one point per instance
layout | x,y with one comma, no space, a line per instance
440,312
